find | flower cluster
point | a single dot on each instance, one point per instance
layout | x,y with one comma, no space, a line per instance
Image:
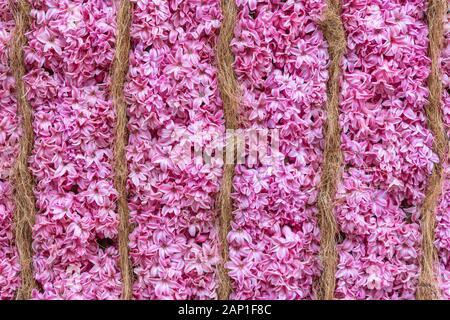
175,113
387,148
281,62
445,69
172,93
68,59
9,142
443,213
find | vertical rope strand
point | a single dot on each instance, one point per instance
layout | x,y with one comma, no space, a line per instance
22,179
229,90
334,33
427,288
119,72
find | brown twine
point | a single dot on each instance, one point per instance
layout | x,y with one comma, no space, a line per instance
229,90
334,33
427,288
22,178
119,73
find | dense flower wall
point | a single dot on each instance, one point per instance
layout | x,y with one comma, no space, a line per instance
386,146
173,96
68,60
176,126
281,64
443,214
9,136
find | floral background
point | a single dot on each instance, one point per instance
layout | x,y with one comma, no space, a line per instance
281,63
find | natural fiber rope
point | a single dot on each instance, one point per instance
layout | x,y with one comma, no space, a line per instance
24,214
427,288
334,33
119,72
229,90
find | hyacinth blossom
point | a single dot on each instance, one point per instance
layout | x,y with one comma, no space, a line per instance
172,92
176,131
387,149
9,142
281,63
443,213
68,60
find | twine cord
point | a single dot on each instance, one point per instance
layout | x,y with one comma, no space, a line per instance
23,182
427,288
333,31
119,73
229,90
